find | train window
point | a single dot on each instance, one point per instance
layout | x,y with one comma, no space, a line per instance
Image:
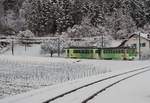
116,50
76,51
110,51
113,51
97,51
91,51
85,51
105,51
122,51
81,51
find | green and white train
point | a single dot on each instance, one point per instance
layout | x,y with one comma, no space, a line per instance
113,53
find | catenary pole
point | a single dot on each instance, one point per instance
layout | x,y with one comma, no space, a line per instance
139,46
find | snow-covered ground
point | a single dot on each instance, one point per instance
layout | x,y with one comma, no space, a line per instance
20,50
133,90
28,70
19,74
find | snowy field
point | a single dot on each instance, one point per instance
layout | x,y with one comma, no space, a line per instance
20,50
19,74
28,70
134,90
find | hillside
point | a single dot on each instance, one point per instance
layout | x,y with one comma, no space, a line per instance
85,17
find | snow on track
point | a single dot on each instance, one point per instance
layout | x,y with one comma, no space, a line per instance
133,90
41,95
88,93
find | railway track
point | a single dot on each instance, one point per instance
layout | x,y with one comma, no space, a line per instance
99,86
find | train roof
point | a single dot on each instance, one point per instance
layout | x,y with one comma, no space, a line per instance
99,48
75,47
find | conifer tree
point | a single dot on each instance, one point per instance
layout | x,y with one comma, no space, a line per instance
64,19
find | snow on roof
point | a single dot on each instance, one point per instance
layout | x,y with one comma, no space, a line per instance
115,43
144,35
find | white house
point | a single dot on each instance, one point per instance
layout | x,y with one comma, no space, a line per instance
144,41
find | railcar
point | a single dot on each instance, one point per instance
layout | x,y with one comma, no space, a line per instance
113,53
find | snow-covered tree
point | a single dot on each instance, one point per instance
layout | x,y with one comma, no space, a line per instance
138,13
64,17
48,17
54,46
33,15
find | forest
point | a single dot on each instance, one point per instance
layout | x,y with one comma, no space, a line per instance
76,18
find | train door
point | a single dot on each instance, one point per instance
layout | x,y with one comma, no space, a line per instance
125,54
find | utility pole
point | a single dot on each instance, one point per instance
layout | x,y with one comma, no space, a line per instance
12,47
139,46
58,49
102,40
25,45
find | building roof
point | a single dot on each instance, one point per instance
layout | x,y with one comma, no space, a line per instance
142,35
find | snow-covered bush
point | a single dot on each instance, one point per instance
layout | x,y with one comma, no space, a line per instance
25,34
